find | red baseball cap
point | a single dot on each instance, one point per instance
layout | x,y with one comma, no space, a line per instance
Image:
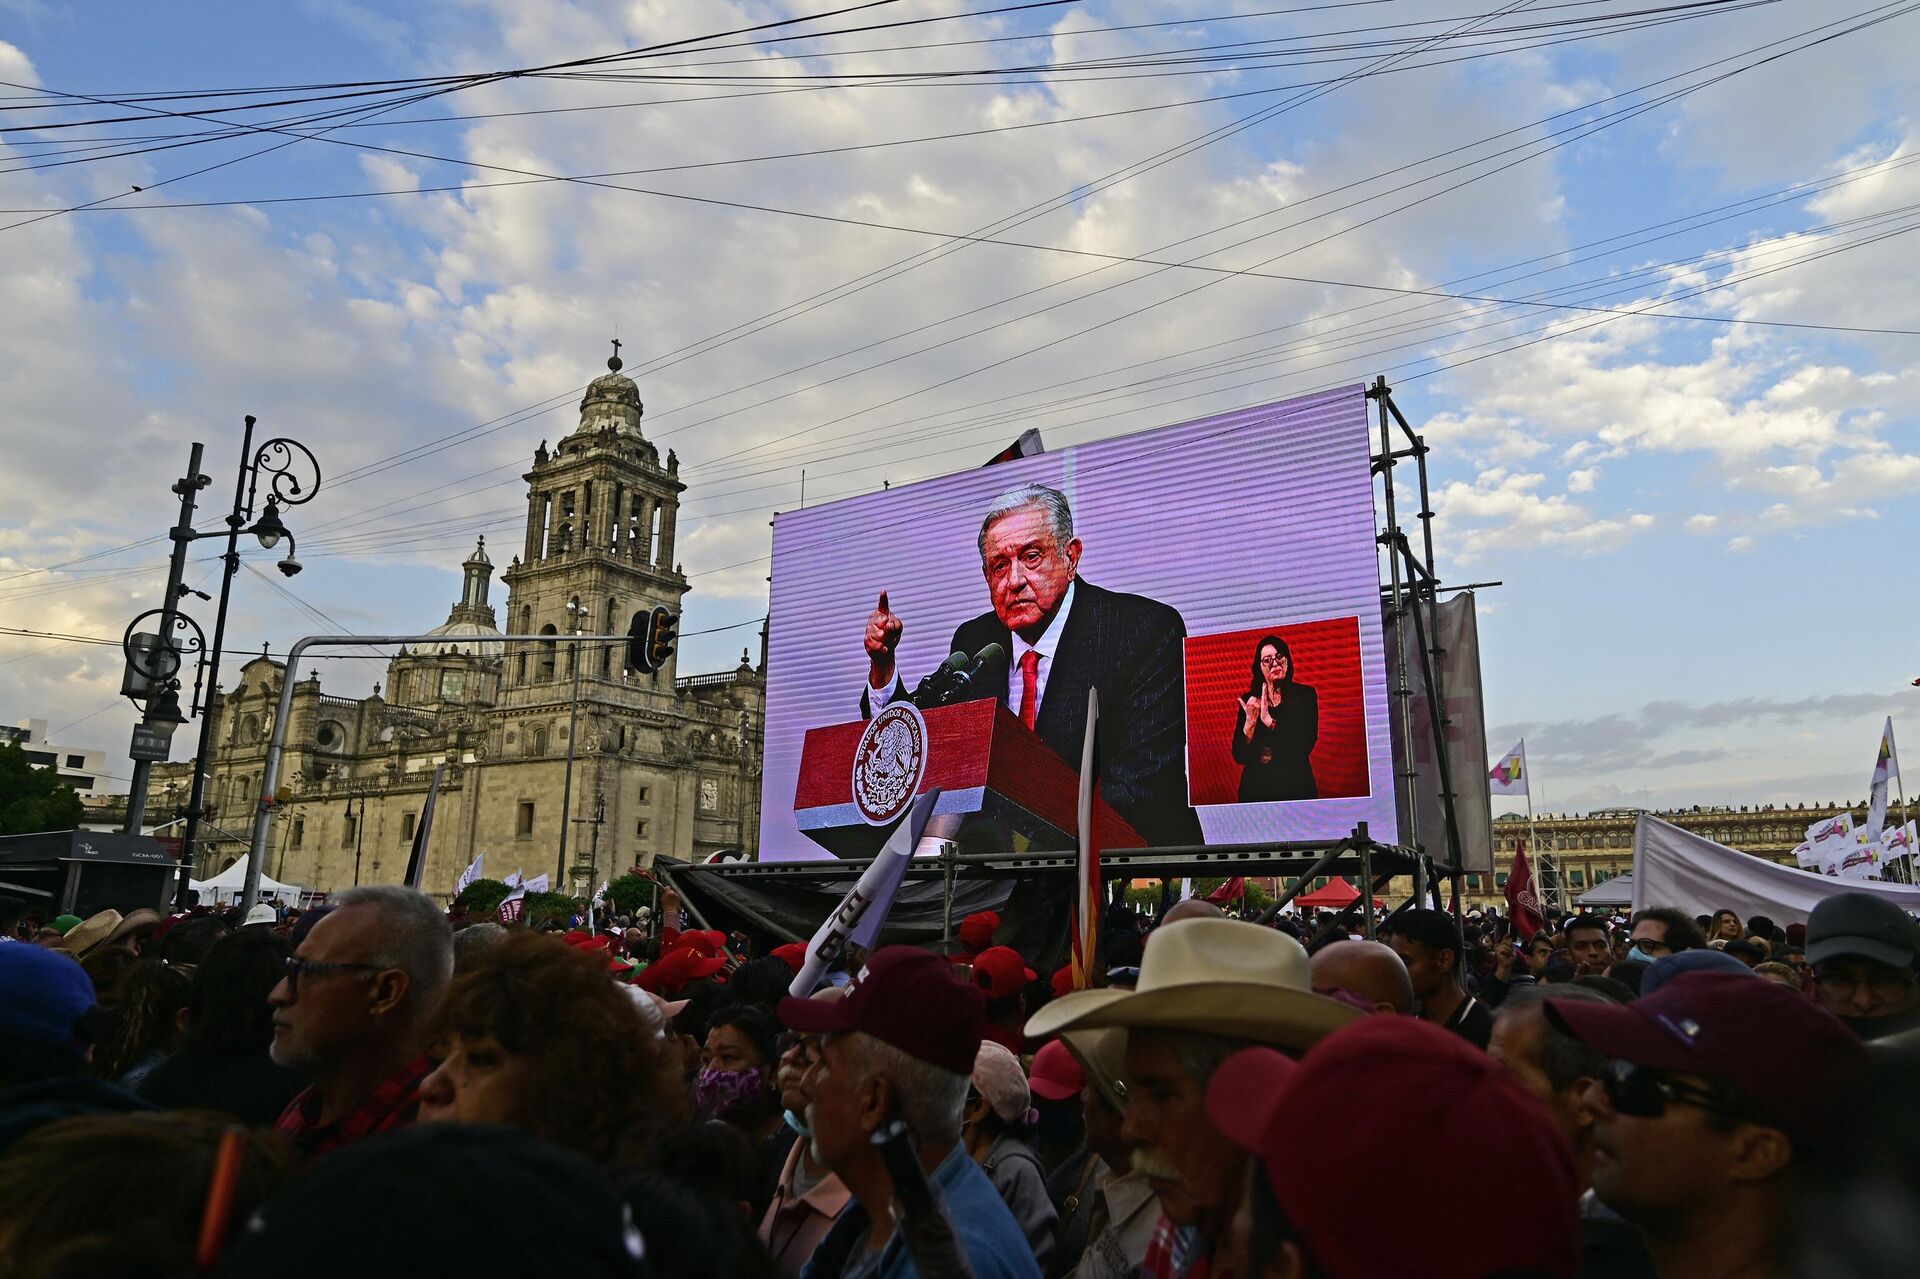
1779,1051
905,997
1062,982
1001,972
670,974
793,953
977,929
698,943
1056,1075
1426,1086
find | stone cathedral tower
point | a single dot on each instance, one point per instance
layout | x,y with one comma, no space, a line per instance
599,544
535,739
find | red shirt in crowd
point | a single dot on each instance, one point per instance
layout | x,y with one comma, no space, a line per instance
392,1104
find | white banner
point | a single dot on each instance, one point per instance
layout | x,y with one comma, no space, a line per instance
1673,867
858,917
538,884
1886,765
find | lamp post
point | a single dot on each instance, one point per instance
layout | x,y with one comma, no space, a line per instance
283,466
576,613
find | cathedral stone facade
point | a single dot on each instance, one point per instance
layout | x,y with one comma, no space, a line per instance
661,763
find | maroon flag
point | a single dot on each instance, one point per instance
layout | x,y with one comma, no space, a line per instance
1231,891
1523,903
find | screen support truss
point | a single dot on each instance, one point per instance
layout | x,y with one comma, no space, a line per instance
1412,594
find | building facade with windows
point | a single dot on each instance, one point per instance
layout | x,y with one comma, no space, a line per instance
1585,850
661,763
84,770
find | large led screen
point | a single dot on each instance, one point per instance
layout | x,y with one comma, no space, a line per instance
1218,587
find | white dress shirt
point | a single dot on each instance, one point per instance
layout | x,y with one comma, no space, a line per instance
1049,641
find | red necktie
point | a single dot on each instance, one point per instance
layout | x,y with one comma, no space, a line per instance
1029,686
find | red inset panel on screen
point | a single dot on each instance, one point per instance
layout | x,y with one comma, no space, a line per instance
1274,722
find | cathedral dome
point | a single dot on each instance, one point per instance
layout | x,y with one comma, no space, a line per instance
467,637
612,402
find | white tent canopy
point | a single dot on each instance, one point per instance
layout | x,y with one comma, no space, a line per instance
225,888
1673,867
1617,891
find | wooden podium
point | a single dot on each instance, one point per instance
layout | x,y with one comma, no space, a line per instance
1012,790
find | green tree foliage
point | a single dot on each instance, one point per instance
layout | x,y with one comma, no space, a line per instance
552,908
629,893
481,896
33,799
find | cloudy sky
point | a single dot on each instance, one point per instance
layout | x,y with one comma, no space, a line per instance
1692,474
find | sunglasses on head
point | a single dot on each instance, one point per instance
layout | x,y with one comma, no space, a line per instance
1643,1092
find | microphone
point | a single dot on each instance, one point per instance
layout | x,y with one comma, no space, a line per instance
962,688
928,691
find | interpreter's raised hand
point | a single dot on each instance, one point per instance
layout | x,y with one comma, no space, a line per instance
883,636
1267,702
1252,714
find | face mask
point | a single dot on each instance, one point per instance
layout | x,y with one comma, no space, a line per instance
724,1093
1640,956
798,1123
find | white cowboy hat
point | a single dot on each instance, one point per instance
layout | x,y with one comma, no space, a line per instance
1215,977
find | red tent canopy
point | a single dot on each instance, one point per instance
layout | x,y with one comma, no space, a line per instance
1337,894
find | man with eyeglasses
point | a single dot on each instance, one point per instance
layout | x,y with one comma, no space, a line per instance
1717,1086
1660,931
1864,952
351,1015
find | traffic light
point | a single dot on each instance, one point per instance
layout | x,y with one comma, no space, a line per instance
650,639
661,633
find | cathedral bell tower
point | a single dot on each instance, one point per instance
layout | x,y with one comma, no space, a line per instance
599,544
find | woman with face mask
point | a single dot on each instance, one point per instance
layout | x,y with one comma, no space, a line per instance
736,1086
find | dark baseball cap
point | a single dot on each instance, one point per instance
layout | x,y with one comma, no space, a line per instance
908,998
1850,924
1777,1050
1424,1084
1677,965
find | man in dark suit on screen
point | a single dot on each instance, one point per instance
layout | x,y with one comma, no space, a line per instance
1063,636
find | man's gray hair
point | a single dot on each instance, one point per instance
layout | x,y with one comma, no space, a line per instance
1564,1060
1198,1052
931,1100
472,943
1052,502
414,937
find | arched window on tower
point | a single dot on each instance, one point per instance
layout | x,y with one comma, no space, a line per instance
547,647
611,628
525,628
564,542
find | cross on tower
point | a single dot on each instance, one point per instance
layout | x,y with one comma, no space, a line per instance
614,363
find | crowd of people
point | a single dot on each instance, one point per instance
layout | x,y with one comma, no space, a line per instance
369,1088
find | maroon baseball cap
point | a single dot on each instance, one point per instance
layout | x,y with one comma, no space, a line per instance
1001,972
1426,1089
908,998
1776,1049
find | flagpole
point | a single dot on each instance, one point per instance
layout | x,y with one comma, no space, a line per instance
1533,838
